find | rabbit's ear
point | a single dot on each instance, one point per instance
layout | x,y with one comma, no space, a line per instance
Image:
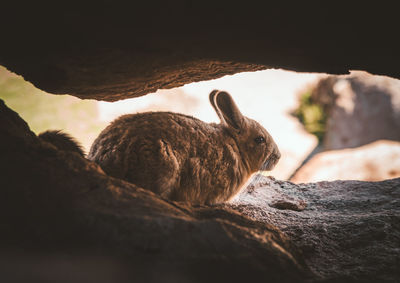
228,110
213,103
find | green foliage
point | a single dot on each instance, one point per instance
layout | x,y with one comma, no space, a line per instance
311,115
43,111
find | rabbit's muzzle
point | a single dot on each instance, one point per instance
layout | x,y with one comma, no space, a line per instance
271,161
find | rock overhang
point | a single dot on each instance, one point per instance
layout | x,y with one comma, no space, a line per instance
112,50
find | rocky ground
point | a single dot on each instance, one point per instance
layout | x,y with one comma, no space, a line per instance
348,231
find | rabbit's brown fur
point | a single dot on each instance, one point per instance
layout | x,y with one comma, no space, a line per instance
62,141
183,158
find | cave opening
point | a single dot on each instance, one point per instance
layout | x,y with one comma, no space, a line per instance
327,127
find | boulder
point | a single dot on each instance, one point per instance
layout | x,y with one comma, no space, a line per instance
361,108
376,161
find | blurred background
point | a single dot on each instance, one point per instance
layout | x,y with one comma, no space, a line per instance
327,127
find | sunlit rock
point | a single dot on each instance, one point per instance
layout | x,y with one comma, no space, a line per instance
348,231
376,161
360,109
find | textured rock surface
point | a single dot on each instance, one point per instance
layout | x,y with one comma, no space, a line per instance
349,231
117,49
361,108
376,161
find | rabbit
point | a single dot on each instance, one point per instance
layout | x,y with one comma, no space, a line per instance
184,159
62,141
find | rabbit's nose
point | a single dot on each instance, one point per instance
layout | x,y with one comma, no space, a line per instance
273,159
270,163
277,155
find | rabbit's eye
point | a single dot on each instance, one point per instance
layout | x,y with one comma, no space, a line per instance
259,140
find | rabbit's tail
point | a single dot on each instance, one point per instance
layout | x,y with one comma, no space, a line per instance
62,141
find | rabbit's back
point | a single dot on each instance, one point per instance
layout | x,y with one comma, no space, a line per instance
174,155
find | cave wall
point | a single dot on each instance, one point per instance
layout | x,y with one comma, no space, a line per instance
57,207
111,50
